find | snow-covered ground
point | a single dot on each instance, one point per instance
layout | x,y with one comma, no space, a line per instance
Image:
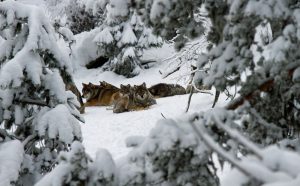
104,129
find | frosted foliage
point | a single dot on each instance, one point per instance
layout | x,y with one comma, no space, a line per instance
128,37
147,39
278,167
129,52
71,170
11,157
63,126
104,37
66,33
55,84
265,72
117,8
171,146
103,170
95,5
161,14
83,15
38,27
35,107
121,30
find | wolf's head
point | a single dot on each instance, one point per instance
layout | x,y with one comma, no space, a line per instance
142,94
105,85
126,89
89,91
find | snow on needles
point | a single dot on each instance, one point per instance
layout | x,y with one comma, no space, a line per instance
11,157
63,126
40,38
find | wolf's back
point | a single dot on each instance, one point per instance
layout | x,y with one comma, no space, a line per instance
165,90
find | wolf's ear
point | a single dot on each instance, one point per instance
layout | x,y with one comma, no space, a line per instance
90,83
128,86
84,85
122,86
144,84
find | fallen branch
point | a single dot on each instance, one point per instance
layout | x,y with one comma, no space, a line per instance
172,72
32,102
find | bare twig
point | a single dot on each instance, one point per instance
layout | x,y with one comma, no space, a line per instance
190,98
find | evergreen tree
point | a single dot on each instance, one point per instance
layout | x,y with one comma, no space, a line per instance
76,168
123,37
80,18
268,105
35,107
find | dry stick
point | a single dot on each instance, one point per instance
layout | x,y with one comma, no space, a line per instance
190,98
208,142
163,115
172,72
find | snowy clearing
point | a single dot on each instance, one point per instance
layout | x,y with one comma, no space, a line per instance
104,129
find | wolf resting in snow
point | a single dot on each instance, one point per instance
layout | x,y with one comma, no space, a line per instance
165,90
104,94
137,97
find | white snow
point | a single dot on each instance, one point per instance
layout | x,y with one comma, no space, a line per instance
11,157
63,125
104,129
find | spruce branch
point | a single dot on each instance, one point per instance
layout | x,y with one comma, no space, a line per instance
209,142
234,134
265,86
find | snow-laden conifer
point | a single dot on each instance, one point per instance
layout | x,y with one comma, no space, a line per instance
264,72
122,37
35,107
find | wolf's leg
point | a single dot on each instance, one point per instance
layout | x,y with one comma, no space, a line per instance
121,105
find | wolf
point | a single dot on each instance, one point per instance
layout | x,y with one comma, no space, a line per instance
137,97
165,90
104,94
